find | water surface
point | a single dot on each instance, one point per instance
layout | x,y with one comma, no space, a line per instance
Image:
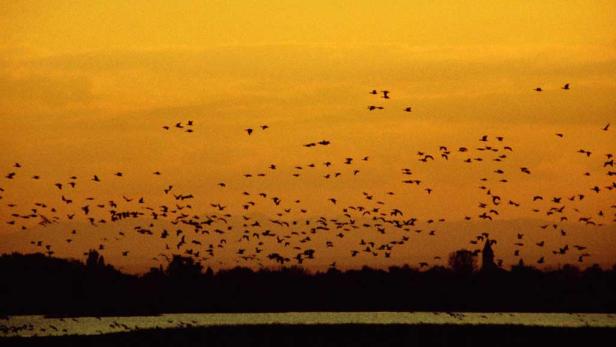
42,326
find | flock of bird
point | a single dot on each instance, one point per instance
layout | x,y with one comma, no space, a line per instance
565,87
384,96
188,127
291,234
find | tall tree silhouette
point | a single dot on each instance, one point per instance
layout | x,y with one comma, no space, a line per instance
95,261
462,261
182,267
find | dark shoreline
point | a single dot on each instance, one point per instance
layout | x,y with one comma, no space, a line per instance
76,289
158,314
335,335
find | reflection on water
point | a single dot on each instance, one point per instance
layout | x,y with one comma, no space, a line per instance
41,326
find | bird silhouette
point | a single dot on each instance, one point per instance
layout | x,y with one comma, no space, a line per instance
541,260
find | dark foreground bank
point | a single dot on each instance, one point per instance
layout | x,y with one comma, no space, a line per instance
336,335
76,289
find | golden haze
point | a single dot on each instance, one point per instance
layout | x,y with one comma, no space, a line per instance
85,89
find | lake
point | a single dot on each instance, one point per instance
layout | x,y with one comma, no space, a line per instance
41,326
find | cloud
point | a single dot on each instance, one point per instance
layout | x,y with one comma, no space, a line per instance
452,81
39,91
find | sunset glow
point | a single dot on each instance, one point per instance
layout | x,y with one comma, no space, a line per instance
87,89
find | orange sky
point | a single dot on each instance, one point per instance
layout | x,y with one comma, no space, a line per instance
86,88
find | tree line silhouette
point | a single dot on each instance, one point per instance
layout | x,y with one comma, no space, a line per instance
39,284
